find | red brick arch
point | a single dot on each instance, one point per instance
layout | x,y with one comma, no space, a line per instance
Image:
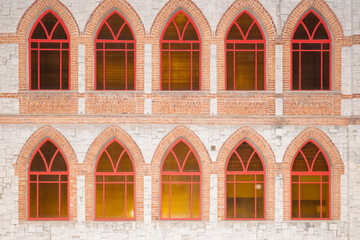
333,155
204,157
24,27
24,158
194,12
337,35
268,157
91,157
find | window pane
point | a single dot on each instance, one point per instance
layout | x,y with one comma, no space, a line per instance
244,22
126,33
99,70
115,70
260,71
245,200
245,151
105,33
130,200
180,21
181,150
59,33
321,33
295,70
65,70
190,33
39,32
114,150
310,151
260,208
33,200
125,164
170,164
64,198
180,205
311,70
255,163
230,70
310,21
310,201
171,32
234,163
37,163
49,21
196,201
48,200
104,164
196,71
115,22
99,201
234,33
180,71
59,163
326,70
299,164
191,164
295,200
255,33
48,150
230,200
115,200
130,71
49,69
245,70
325,201
320,164
165,201
301,33
165,71
34,69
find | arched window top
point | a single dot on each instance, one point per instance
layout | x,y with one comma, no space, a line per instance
245,27
49,27
114,158
310,158
48,158
115,27
244,158
181,158
311,27
180,28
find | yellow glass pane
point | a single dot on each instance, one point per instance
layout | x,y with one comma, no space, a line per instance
130,178
37,163
125,164
245,200
115,200
170,164
310,178
181,178
115,178
230,200
320,164
244,151
325,178
59,163
245,70
245,178
295,201
99,201
165,178
191,164
115,70
130,200
255,163
48,200
234,163
230,178
114,150
180,73
165,201
310,201
104,164
196,201
181,150
260,208
259,177
64,199
325,201
33,199
180,203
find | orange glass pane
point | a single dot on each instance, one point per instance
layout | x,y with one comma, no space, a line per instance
64,199
295,201
59,33
33,200
170,164
255,33
260,208
99,201
230,208
299,164
245,200
180,74
125,164
115,73
165,200
181,150
230,70
190,33
115,200
196,201
240,178
310,200
99,70
130,70
325,201
114,150
181,178
104,164
195,71
48,200
37,163
130,201
180,21
165,70
260,71
65,70
245,70
180,203
191,164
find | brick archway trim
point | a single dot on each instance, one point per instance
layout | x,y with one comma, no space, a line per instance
204,157
337,167
87,167
24,157
126,10
268,157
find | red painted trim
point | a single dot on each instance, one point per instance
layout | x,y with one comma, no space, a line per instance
243,41
49,40
311,40
247,173
48,172
115,173
125,50
181,173
181,40
310,173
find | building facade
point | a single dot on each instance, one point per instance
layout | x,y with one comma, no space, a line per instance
260,141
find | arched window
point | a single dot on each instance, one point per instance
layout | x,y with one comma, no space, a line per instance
115,184
310,183
48,183
245,184
181,183
311,54
49,46
115,55
245,54
180,54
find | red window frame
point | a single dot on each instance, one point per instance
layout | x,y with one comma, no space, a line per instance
64,46
114,173
309,40
180,173
167,48
231,45
310,172
242,173
100,45
48,172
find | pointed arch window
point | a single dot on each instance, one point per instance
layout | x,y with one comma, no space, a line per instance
48,192
181,183
114,183
245,183
310,183
180,54
245,46
115,55
49,50
311,54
